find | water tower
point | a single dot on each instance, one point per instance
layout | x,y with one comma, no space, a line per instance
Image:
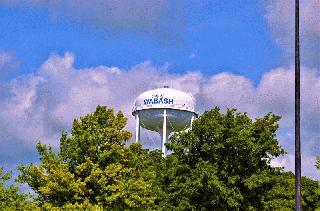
164,110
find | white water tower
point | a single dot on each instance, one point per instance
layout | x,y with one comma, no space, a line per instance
164,110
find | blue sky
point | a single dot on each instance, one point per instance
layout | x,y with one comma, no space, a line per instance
59,59
211,38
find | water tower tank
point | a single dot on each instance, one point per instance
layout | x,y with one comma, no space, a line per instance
164,110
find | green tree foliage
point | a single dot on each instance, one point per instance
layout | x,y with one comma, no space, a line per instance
93,169
222,163
10,198
281,196
318,189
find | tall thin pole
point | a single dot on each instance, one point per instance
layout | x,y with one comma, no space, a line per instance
297,111
164,132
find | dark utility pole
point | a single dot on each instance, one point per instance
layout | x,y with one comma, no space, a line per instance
297,111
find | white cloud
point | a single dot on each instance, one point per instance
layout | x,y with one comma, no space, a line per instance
40,106
5,57
308,163
7,62
276,93
280,17
228,90
193,54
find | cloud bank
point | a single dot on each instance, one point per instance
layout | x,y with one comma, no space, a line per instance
39,106
280,16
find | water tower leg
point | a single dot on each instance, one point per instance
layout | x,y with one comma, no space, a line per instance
137,129
192,119
164,132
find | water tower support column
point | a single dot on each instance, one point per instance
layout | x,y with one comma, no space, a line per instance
137,128
192,119
164,132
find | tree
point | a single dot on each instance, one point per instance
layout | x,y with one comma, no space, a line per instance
10,198
94,168
281,196
224,162
318,189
